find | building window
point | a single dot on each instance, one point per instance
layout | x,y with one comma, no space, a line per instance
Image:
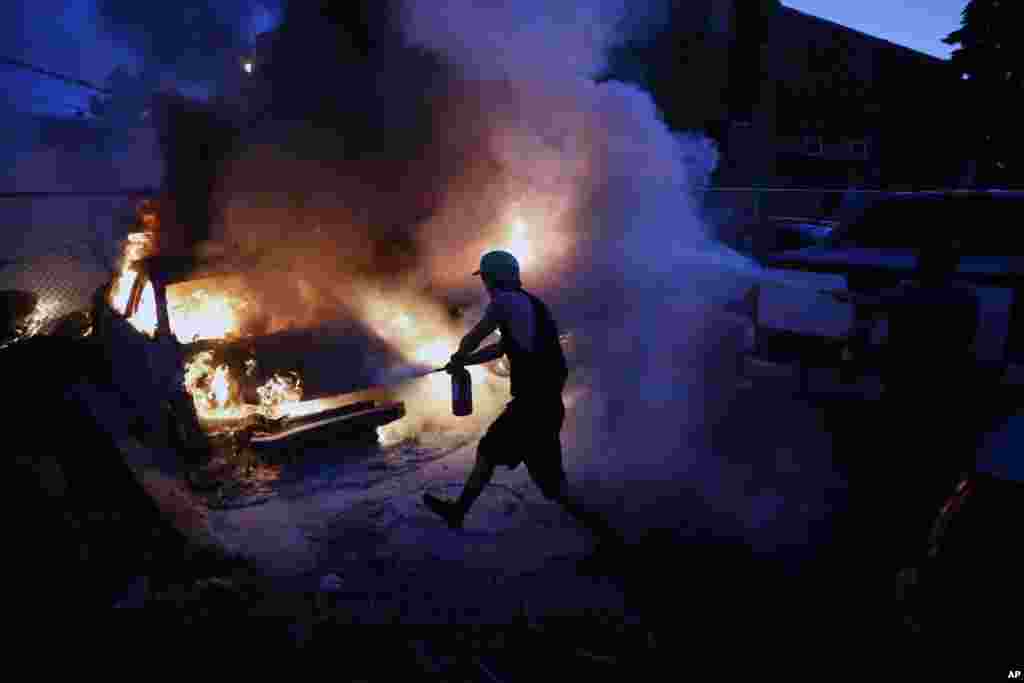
720,19
813,145
859,148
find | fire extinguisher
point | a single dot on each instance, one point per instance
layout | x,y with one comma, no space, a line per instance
462,392
462,389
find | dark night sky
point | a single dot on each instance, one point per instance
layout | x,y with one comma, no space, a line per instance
66,36
917,24
59,35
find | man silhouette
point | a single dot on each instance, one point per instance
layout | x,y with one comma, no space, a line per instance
529,428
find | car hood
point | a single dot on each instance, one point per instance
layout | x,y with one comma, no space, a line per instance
999,271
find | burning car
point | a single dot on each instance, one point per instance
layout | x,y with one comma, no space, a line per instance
202,357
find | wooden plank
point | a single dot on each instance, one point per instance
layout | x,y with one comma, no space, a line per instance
362,420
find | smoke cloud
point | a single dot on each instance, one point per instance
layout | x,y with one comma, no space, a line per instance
615,241
496,132
595,168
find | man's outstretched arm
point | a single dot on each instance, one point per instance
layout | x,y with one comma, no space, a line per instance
472,340
484,355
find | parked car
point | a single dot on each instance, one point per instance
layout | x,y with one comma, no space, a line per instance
164,354
877,249
775,234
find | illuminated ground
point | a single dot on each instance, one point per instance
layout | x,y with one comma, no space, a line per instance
361,519
357,514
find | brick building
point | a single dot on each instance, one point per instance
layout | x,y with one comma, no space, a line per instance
796,100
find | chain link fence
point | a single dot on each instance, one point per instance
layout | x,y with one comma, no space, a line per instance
62,247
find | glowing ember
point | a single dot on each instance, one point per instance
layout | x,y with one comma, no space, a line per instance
217,394
280,390
212,389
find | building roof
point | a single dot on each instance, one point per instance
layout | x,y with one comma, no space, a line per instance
790,14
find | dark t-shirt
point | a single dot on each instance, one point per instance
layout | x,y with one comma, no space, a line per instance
538,372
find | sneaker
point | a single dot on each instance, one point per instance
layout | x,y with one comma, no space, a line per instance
445,509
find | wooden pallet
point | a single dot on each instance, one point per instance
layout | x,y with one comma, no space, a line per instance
331,425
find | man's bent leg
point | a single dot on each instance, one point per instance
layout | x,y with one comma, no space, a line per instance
607,558
483,471
455,512
549,476
594,521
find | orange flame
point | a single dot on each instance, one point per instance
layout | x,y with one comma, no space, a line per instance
145,319
423,334
280,391
217,395
220,387
137,246
195,313
121,290
210,308
211,388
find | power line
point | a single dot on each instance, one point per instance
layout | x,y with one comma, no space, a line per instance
53,74
135,192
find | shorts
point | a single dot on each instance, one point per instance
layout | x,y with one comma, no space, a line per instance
529,431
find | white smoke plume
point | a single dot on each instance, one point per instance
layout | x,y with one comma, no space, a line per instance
615,241
581,179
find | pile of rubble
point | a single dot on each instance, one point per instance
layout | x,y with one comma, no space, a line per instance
88,526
